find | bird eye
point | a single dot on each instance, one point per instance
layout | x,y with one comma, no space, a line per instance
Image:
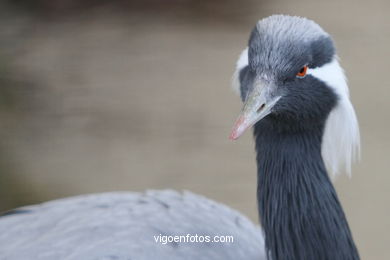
302,72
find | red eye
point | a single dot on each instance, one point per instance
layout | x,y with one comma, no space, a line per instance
302,72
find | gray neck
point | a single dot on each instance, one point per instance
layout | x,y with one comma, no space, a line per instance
298,206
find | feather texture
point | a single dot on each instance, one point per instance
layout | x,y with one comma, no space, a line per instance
123,226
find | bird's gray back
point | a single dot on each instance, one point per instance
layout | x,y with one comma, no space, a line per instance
124,226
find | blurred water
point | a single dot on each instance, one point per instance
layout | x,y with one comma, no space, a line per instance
137,97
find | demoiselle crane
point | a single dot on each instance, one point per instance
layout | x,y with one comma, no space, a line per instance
296,98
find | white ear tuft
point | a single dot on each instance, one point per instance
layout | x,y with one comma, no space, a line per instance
242,62
341,139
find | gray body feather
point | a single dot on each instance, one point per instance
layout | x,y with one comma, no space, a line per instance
122,226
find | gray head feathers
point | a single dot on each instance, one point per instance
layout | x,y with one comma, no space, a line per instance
279,44
290,28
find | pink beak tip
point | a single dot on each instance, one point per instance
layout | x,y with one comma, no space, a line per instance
233,136
235,132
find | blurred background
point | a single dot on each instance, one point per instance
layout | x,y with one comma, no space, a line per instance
135,95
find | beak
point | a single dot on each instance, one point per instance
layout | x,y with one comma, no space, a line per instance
258,105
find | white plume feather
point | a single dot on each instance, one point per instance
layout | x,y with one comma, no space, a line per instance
341,140
241,63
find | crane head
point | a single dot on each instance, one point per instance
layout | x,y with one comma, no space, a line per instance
290,76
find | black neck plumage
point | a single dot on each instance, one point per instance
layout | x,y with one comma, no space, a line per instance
298,206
